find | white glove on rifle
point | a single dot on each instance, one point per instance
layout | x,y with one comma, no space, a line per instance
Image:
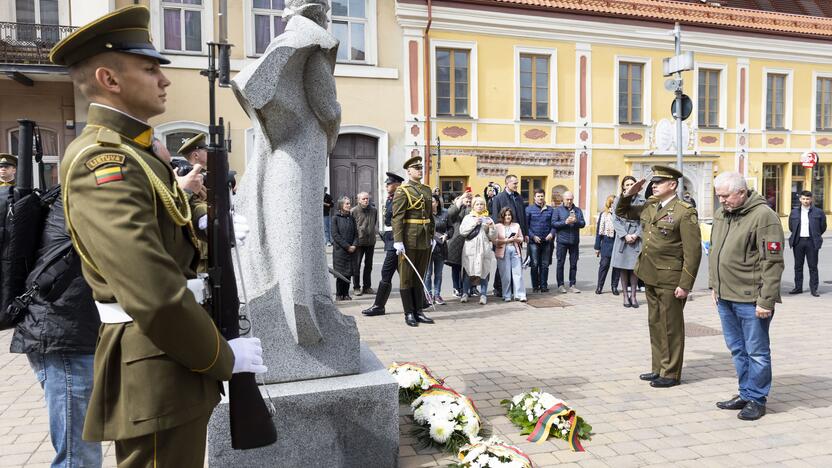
248,355
399,246
241,228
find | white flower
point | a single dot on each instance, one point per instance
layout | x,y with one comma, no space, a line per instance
441,431
518,398
564,431
547,400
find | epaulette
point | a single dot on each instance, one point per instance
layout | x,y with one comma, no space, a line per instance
107,137
685,204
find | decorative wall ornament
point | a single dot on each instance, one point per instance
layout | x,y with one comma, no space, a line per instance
776,141
825,141
414,130
584,135
535,134
709,140
454,131
632,136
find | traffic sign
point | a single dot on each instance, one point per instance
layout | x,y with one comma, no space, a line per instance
679,63
687,107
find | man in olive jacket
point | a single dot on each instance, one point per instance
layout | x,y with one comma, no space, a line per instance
745,265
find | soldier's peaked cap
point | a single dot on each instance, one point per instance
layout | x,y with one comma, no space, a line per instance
194,143
665,173
7,159
393,178
124,30
414,161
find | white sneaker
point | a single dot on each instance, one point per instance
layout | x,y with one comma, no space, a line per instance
562,289
483,300
506,299
464,298
573,289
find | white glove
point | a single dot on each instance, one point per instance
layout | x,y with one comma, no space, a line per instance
399,246
241,228
248,355
202,223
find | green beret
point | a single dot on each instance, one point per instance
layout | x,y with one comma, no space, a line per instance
665,173
124,30
414,161
7,159
195,142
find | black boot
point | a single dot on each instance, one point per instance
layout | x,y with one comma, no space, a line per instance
409,307
419,300
382,295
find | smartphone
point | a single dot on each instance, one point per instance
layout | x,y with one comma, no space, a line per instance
512,235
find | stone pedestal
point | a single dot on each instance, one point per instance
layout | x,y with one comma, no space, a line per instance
345,421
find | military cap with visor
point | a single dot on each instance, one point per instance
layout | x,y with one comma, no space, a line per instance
124,30
7,159
393,178
194,143
414,161
662,173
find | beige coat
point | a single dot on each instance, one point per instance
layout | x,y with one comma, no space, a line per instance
477,254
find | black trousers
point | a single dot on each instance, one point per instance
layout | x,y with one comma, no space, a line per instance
603,269
391,263
805,249
572,250
342,288
365,252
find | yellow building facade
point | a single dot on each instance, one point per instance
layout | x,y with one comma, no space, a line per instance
574,101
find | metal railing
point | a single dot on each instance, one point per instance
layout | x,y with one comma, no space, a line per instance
27,43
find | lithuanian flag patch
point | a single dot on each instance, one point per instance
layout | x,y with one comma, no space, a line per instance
108,174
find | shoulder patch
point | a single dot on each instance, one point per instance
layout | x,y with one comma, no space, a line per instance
108,137
108,174
106,158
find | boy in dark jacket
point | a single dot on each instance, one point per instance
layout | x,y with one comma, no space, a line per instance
568,220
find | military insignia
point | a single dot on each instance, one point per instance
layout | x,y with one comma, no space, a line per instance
108,174
773,247
106,158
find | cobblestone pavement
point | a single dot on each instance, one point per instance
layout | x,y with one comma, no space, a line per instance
588,353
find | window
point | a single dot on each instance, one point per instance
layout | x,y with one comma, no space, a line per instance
534,86
820,183
349,25
630,78
39,12
452,78
708,98
51,155
528,185
798,183
775,101
182,25
772,178
824,104
450,188
268,22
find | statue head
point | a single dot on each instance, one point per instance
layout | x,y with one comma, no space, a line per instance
315,10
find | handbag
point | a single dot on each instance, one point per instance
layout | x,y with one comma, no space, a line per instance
474,232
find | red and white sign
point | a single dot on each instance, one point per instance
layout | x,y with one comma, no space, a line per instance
809,159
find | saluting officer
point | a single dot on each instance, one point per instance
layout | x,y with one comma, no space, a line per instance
8,169
413,238
391,258
668,264
159,359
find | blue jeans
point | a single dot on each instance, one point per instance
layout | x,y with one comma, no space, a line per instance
435,266
466,284
747,338
66,380
327,230
511,271
539,258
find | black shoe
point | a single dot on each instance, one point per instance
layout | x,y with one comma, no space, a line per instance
373,311
420,301
410,319
634,303
409,306
535,289
614,291
544,290
664,382
735,403
422,318
380,301
796,291
815,293
628,303
650,376
368,291
498,293
598,291
752,411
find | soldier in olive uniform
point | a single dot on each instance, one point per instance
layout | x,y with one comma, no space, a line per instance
159,359
668,264
8,169
413,237
195,151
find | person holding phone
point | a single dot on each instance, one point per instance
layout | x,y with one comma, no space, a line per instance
477,229
568,220
509,253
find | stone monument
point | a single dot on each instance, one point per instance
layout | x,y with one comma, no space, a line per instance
335,403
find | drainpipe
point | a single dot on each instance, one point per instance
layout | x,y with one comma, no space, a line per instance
426,67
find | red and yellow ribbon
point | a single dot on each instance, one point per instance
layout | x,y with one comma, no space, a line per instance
550,417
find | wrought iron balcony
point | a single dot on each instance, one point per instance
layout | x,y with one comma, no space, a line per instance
29,44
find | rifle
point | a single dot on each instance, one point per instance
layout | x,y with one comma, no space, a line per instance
251,421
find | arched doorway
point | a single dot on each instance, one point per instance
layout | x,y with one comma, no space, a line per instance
353,167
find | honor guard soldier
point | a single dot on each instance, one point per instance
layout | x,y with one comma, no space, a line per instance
8,169
412,239
160,359
668,264
195,150
391,258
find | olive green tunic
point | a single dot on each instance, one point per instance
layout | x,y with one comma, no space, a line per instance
414,226
125,216
669,259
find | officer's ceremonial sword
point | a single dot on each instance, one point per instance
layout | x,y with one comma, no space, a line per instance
424,288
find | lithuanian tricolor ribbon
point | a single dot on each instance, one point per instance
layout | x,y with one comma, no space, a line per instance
108,174
440,390
550,417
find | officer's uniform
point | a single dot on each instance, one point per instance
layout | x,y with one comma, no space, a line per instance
7,159
413,225
160,359
197,142
669,259
391,260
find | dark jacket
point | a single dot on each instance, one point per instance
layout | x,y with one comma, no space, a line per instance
539,221
513,201
366,221
568,234
817,226
457,242
387,236
440,251
327,201
344,234
62,318
603,243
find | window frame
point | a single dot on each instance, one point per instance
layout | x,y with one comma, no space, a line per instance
722,98
794,201
823,183
251,31
47,158
788,102
529,181
552,56
473,110
646,87
780,181
816,78
157,8
442,180
452,84
350,20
